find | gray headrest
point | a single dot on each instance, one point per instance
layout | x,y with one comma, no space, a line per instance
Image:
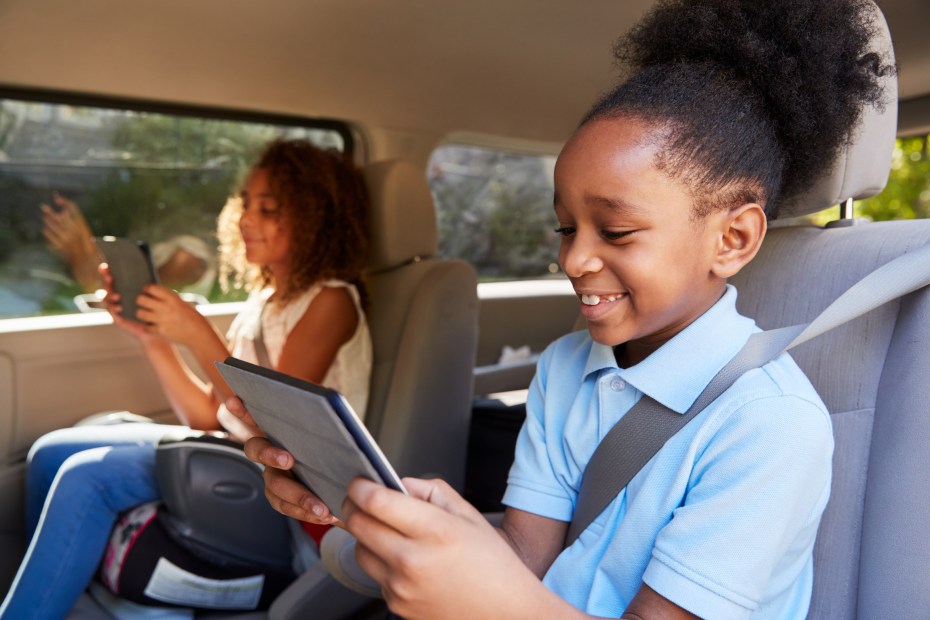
861,169
402,221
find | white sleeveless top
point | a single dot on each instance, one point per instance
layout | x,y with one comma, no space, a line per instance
349,372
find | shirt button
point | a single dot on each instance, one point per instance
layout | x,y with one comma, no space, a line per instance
617,384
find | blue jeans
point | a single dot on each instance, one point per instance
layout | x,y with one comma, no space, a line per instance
78,481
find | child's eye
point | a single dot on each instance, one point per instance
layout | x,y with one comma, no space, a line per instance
615,235
565,231
269,208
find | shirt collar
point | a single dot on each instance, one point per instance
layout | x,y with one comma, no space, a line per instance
677,373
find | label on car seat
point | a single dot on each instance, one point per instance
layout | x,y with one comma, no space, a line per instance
172,584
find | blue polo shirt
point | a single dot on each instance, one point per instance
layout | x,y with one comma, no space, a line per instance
722,519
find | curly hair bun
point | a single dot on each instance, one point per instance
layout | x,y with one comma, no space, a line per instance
807,65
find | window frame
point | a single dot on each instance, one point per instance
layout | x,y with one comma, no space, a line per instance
349,135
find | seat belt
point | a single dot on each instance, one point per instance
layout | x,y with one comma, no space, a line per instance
648,425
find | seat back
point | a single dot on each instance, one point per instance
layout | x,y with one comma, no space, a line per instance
423,317
873,546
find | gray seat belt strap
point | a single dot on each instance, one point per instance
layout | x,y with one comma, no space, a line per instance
645,428
261,351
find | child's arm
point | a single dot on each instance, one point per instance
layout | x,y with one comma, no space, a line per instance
536,540
69,235
170,320
328,323
178,322
435,556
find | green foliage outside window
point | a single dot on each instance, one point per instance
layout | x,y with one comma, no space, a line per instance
494,210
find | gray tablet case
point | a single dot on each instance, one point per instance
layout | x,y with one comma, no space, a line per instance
330,444
130,264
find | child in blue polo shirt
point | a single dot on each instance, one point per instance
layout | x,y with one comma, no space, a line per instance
661,195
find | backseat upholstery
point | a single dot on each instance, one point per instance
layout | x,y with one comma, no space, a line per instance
873,547
871,373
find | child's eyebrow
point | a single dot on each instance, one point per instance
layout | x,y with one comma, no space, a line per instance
617,205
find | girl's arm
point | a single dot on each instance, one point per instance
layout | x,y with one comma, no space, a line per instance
328,323
191,398
169,320
176,322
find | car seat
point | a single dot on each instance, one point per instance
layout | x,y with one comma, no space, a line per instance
873,547
423,319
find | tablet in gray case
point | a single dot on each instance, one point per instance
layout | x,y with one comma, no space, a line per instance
330,444
131,268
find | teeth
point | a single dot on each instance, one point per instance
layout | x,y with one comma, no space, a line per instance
593,300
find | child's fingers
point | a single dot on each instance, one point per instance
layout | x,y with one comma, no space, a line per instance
50,219
432,501
149,303
262,451
373,511
104,270
159,292
235,407
438,493
382,544
289,497
371,563
65,204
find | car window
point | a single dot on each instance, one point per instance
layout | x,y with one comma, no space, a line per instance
494,210
149,174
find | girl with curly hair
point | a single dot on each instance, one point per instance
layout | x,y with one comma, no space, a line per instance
661,194
296,236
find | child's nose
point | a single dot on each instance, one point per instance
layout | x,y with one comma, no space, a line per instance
245,219
579,258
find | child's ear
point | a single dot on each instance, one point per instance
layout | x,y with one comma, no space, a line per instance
743,229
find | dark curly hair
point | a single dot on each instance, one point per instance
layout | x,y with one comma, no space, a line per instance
752,99
324,199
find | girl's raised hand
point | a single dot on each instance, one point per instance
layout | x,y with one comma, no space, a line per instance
114,307
170,317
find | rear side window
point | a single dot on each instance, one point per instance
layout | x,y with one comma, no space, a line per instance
494,210
156,175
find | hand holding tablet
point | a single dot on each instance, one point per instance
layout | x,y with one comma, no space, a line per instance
131,268
330,444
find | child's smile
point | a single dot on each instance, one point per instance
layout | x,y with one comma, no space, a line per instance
641,264
594,305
